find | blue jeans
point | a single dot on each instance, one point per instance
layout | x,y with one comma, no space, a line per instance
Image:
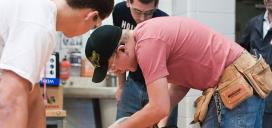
267,117
248,114
134,98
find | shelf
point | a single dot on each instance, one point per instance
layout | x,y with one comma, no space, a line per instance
83,87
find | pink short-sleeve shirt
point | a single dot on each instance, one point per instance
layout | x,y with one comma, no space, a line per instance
184,51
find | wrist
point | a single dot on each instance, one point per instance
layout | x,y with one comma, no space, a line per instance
120,87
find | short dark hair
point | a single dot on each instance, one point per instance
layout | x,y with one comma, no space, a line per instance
104,7
147,1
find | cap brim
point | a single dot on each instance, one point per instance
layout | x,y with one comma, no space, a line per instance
99,74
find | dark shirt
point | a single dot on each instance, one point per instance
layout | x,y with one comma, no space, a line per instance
122,18
253,41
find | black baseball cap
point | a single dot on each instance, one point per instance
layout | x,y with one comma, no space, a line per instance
99,48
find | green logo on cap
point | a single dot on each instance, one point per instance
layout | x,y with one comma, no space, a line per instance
94,58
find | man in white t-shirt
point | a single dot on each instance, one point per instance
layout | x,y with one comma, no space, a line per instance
27,39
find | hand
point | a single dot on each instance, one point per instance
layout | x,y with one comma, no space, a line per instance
118,94
163,122
114,125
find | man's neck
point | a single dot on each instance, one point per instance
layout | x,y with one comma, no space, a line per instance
62,13
131,49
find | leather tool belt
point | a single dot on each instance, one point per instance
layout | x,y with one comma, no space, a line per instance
236,83
257,72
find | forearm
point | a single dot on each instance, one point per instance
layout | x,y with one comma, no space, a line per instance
36,109
120,86
146,117
176,93
157,107
121,80
13,96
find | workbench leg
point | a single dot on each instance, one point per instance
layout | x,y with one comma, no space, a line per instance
97,113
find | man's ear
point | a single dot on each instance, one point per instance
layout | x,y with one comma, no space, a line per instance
91,15
121,48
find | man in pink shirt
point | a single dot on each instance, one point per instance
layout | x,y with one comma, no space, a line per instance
178,51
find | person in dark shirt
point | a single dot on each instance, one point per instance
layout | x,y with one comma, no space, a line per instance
131,93
256,38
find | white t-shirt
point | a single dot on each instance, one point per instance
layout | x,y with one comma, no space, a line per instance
27,36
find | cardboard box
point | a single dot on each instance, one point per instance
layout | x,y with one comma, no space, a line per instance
54,97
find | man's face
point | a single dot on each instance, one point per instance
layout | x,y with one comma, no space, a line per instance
140,11
123,58
268,4
118,63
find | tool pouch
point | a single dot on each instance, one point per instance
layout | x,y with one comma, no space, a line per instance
260,77
201,104
233,88
235,93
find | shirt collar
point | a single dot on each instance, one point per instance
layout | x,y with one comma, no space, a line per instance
266,16
266,24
